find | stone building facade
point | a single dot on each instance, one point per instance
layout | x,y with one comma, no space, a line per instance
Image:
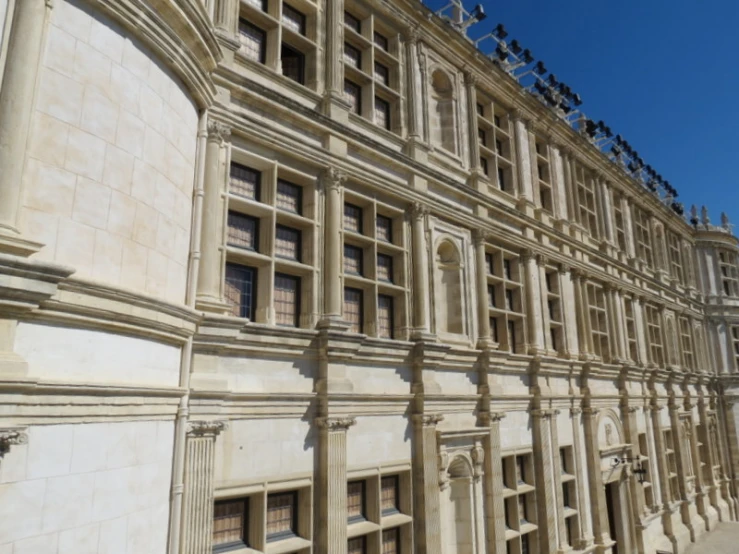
316,276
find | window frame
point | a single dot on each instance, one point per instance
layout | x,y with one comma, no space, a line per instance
282,535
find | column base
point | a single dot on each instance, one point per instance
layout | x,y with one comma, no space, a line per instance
423,335
333,323
212,305
13,243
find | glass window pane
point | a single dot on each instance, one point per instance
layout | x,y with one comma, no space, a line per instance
281,515
289,197
382,74
391,541
293,64
353,309
382,113
384,226
242,231
385,268
353,260
352,56
293,19
244,181
287,243
357,546
240,290
352,22
381,41
287,299
355,500
352,218
253,41
228,522
385,316
353,94
389,494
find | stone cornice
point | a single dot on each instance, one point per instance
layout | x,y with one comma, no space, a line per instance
25,284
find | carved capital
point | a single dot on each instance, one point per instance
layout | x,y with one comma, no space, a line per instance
470,79
12,437
333,178
206,428
218,131
336,424
487,419
592,412
575,411
564,267
480,237
418,210
543,414
428,420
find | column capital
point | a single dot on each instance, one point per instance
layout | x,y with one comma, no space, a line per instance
206,428
480,237
428,420
519,116
418,211
333,178
575,411
12,437
487,419
470,79
411,35
564,267
217,131
336,424
591,411
544,414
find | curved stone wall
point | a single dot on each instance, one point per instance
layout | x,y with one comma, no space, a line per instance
109,171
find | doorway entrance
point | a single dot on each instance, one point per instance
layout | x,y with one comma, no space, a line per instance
618,523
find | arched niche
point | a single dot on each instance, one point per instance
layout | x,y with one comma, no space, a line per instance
449,313
441,118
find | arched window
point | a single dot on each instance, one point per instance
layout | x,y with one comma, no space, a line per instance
449,297
442,112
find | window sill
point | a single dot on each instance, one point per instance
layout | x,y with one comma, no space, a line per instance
287,545
395,520
361,528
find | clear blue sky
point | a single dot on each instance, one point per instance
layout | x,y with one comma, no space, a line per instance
664,74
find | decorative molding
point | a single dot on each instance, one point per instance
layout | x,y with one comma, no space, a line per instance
333,178
480,237
218,131
206,428
12,437
336,424
418,210
470,79
428,420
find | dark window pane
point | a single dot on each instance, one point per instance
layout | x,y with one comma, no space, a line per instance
245,181
281,515
289,197
381,41
357,546
391,541
352,22
352,218
287,299
293,64
253,41
385,316
242,231
384,227
355,501
382,74
229,518
353,260
382,113
352,56
240,289
353,94
353,309
385,267
293,19
287,242
389,494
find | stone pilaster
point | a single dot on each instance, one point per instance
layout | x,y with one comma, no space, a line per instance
584,337
606,210
618,347
569,308
484,339
197,515
333,183
544,469
523,160
570,191
533,304
599,511
413,73
583,531
557,473
659,445
628,228
209,284
418,214
334,102
470,84
225,16
426,499
494,503
18,88
558,181
628,415
641,337
332,508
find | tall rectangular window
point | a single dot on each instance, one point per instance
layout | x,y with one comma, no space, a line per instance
287,243
244,181
355,502
287,300
229,523
382,74
243,231
357,546
381,41
384,227
293,64
686,341
293,19
587,207
643,236
391,541
282,516
353,309
353,93
289,197
253,41
240,290
385,268
654,334
382,113
354,23
631,329
353,260
598,321
389,487
384,316
352,218
676,266
352,56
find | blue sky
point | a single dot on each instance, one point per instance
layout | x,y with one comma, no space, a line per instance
662,73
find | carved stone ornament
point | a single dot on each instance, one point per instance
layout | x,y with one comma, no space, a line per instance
333,179
334,424
418,210
564,267
575,411
470,79
480,237
218,131
478,457
11,437
204,428
443,461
